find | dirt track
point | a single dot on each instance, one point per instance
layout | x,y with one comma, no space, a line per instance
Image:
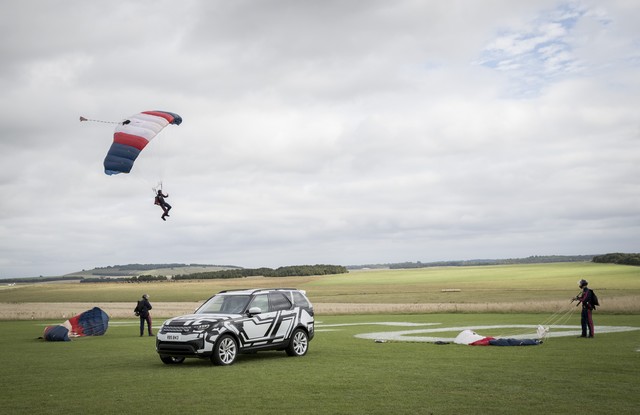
62,311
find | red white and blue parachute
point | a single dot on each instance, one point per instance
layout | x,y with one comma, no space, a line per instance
94,322
132,135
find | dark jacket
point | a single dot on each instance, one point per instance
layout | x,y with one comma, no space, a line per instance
143,307
586,298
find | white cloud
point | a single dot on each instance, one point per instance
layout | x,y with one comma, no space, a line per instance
335,132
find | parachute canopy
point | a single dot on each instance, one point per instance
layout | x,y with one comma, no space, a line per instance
94,322
57,333
472,338
132,135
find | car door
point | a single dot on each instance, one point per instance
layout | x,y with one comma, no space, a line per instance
285,316
256,328
271,325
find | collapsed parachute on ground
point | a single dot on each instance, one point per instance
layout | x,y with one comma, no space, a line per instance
56,333
472,338
94,322
132,135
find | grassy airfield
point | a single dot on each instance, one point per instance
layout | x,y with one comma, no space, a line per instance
505,288
120,372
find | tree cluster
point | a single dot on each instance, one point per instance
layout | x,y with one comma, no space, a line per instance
289,271
618,258
535,259
138,278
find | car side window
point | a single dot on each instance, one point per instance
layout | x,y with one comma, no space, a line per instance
278,301
234,304
299,299
262,301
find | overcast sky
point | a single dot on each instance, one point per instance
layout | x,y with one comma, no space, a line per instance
340,132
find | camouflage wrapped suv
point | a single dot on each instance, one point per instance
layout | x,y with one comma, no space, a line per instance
239,321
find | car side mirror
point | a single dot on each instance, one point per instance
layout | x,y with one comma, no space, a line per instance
254,311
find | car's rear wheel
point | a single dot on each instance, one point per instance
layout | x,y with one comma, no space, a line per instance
172,360
299,343
225,351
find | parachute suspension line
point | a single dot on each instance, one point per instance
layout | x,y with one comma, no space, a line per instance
157,187
105,122
558,320
560,317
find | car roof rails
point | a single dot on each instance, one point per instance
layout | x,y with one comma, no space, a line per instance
253,290
242,289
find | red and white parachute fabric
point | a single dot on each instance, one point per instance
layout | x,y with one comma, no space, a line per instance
471,338
132,135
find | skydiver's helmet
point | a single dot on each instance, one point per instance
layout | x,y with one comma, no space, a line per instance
583,283
145,296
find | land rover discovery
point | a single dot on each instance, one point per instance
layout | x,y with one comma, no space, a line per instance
239,321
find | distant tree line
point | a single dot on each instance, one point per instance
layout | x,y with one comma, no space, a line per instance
289,271
618,258
536,259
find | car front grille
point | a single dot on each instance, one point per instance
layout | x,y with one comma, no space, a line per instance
176,329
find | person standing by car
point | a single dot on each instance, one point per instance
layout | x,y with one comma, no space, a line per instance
142,310
588,305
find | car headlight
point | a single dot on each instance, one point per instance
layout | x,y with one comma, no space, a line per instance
201,327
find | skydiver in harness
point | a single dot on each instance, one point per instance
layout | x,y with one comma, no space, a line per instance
586,299
163,204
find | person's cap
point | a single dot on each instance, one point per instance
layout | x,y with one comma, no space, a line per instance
582,283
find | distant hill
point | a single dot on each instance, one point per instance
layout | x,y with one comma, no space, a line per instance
161,272
127,271
131,270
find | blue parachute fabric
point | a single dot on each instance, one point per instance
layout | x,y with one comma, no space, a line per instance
514,342
177,120
120,159
57,334
94,322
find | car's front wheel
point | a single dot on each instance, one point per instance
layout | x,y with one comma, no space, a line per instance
172,360
225,351
299,343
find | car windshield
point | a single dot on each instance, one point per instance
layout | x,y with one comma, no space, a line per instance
225,304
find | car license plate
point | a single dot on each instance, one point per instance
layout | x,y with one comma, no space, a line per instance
173,337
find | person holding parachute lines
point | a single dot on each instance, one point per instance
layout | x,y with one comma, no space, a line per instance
589,301
130,137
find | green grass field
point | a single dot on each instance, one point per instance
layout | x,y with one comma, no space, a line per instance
121,373
342,374
505,283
